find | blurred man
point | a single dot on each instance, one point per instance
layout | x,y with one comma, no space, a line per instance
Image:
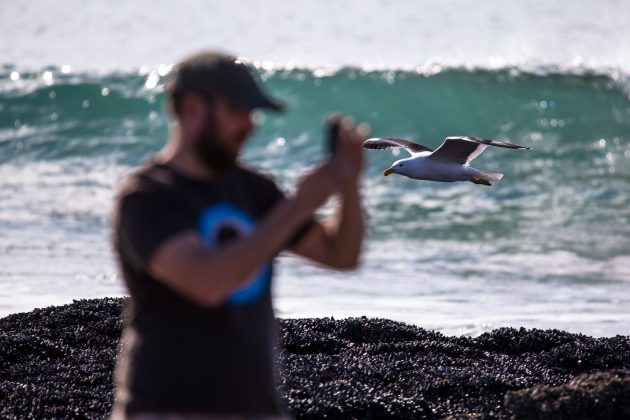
196,232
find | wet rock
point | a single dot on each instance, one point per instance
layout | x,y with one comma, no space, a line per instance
601,395
57,363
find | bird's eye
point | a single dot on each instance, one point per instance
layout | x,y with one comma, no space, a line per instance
400,165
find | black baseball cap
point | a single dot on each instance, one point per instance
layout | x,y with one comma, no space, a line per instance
216,73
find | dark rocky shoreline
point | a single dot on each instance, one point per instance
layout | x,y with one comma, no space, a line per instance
57,363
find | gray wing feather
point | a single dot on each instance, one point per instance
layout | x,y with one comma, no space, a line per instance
393,143
463,149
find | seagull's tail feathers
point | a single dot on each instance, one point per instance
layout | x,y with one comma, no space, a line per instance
486,178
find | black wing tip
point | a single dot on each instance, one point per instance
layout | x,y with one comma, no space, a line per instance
490,142
374,143
516,146
385,139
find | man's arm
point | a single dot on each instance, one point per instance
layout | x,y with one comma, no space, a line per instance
337,242
209,276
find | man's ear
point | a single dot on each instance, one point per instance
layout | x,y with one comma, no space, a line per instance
193,106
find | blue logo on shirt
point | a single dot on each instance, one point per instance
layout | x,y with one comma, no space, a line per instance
222,222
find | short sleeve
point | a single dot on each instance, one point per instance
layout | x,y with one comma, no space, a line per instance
144,222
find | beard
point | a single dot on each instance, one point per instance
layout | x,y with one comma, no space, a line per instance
210,148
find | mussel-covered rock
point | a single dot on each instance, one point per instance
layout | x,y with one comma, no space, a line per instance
57,362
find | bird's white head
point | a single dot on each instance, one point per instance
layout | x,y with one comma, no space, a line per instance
398,167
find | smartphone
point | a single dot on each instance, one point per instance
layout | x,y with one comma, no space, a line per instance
333,126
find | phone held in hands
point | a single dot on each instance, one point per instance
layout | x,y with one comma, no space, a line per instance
332,139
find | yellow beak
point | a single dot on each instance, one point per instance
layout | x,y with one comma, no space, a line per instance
388,171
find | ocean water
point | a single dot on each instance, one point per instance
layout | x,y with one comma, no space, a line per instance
548,246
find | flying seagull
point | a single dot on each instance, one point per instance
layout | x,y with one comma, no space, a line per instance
448,163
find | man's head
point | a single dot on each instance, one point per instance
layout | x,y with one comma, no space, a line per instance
212,95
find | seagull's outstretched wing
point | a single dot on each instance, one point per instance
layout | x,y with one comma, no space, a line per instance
463,149
392,143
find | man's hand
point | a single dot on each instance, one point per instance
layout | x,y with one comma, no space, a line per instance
315,188
348,161
340,172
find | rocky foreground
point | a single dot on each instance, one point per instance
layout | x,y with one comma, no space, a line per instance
57,362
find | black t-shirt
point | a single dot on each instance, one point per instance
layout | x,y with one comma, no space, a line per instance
177,356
